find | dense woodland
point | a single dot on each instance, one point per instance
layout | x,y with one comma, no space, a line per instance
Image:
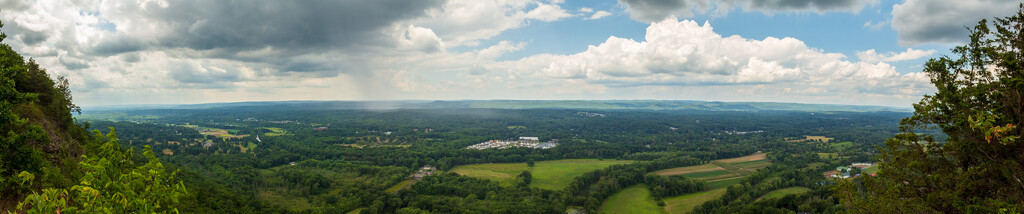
361,153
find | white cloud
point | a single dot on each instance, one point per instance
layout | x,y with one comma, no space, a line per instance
586,10
466,22
687,55
870,56
599,14
875,26
547,13
124,52
420,39
943,21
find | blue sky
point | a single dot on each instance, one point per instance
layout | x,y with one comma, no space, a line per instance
864,52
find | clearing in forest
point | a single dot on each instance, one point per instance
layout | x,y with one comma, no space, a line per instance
635,199
748,158
722,172
783,192
221,133
686,203
552,175
400,185
813,138
274,131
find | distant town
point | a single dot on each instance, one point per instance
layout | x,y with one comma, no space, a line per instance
848,172
525,142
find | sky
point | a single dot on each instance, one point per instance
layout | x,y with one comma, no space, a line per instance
126,52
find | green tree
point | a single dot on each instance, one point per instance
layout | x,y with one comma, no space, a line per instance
526,176
16,154
113,183
979,105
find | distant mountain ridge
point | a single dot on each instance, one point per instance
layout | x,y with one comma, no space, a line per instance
515,104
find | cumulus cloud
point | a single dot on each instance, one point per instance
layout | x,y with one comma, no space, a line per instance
871,56
146,51
466,22
875,25
117,44
547,12
684,53
944,21
656,10
599,14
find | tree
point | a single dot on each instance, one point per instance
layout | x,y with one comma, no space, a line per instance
112,184
529,163
16,155
979,105
526,176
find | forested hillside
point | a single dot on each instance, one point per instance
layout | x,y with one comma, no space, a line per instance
48,164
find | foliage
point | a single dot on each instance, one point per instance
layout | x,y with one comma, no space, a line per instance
113,183
980,106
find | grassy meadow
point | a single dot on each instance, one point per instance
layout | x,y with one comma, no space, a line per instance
552,175
783,192
686,203
633,200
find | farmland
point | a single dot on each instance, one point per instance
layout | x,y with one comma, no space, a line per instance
813,139
721,172
783,192
635,199
718,174
274,131
685,203
552,175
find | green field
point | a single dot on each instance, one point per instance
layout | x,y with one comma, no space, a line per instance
274,131
871,169
708,175
723,172
723,183
399,186
783,192
842,146
753,164
717,175
686,203
635,199
827,155
552,175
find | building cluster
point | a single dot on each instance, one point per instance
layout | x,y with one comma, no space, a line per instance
743,132
524,142
589,114
846,171
320,128
425,171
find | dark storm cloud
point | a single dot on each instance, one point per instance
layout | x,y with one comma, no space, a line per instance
250,25
656,10
27,36
72,63
31,37
944,21
116,45
799,5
